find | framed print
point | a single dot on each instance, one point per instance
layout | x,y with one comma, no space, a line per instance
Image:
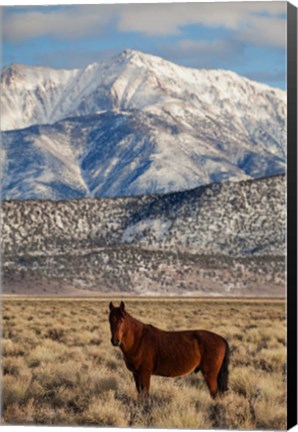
149,215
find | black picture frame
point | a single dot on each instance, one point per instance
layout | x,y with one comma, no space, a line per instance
292,217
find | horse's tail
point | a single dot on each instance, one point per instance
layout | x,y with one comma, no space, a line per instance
222,379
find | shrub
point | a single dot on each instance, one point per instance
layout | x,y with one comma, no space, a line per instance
49,352
104,411
15,366
14,390
10,348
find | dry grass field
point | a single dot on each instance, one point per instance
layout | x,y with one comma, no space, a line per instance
59,367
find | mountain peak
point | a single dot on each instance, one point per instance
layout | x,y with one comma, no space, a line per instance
129,52
129,55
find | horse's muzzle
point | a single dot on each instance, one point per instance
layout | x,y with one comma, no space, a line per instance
115,342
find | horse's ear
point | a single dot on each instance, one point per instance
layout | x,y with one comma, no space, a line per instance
111,306
122,305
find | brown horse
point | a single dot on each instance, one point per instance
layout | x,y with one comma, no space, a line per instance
148,351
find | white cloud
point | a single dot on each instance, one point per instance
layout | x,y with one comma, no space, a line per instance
72,22
204,54
254,22
166,19
264,31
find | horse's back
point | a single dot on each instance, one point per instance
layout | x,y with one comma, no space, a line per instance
159,338
175,353
211,339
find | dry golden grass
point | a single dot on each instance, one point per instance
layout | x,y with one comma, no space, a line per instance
59,367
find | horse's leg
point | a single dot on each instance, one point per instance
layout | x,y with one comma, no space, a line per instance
144,382
136,378
211,381
211,364
210,369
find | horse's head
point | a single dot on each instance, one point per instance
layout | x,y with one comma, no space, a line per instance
117,323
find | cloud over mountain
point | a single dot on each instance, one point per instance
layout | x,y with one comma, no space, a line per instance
151,19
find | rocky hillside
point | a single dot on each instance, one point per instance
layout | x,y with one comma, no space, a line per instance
224,239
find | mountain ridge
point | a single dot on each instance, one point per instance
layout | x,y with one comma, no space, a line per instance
108,74
199,218
137,124
226,239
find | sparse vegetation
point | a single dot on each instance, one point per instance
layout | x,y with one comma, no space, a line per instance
197,241
143,271
59,367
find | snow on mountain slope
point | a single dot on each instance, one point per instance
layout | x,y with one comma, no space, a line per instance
119,154
233,218
135,124
39,167
29,94
131,80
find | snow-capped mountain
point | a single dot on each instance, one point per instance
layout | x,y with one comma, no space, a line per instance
135,124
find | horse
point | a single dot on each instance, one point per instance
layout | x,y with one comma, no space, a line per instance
148,350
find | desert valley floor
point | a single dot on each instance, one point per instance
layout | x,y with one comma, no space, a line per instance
61,369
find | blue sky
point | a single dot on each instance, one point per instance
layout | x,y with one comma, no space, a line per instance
246,37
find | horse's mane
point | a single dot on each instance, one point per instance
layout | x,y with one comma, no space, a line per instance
133,319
